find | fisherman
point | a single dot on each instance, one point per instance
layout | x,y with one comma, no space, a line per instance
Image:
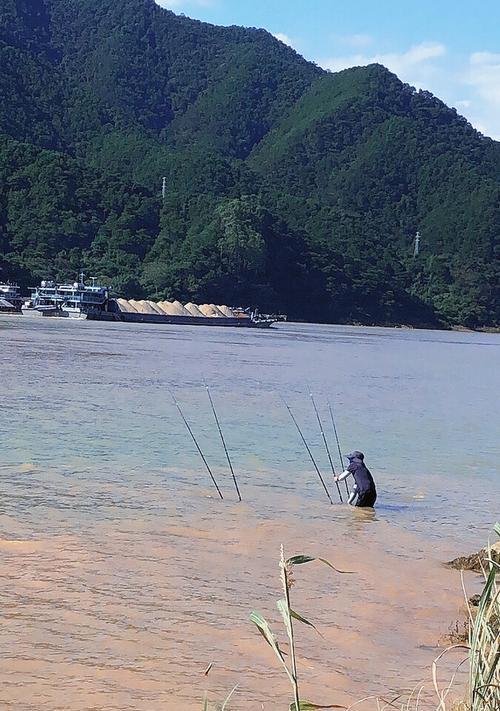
363,491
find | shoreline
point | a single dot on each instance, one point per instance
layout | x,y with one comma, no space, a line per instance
400,327
354,324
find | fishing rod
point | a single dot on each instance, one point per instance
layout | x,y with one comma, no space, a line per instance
307,448
338,445
223,442
197,445
325,442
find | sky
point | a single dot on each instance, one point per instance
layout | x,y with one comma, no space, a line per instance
451,48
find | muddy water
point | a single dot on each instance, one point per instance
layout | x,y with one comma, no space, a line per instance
122,575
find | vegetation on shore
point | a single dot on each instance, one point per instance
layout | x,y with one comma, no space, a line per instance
287,187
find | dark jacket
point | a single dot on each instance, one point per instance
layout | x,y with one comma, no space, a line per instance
362,476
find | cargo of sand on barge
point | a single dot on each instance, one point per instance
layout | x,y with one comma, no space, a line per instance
81,301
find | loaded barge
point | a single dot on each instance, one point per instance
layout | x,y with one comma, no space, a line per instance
93,302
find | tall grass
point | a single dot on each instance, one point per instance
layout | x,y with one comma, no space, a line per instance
483,647
484,642
288,615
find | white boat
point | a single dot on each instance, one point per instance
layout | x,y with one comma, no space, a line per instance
10,298
73,312
75,301
30,309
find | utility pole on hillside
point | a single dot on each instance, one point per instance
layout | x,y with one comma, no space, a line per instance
163,188
416,245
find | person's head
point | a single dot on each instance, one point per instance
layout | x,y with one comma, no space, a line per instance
355,455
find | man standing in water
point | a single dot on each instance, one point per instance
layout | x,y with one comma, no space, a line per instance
363,491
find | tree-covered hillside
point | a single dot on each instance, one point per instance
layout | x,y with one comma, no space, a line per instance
287,187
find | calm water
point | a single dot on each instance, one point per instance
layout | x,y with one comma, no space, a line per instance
123,577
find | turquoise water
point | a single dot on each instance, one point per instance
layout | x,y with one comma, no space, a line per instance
92,400
123,575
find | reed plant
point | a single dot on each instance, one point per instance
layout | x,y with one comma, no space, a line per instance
289,615
484,641
483,646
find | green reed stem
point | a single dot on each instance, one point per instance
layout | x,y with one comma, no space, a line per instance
293,657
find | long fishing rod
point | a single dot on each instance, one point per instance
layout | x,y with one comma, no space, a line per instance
223,442
197,445
307,448
338,445
325,442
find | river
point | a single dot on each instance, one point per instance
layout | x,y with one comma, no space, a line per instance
124,576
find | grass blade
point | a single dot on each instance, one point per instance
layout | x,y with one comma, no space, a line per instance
228,697
282,607
281,604
263,627
301,559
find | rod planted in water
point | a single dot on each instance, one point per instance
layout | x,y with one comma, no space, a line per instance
308,449
338,445
188,426
223,442
325,442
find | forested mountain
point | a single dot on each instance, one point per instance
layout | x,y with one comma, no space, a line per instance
288,187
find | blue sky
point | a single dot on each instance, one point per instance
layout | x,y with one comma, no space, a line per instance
449,48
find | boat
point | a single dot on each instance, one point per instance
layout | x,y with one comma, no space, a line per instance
10,298
80,301
75,301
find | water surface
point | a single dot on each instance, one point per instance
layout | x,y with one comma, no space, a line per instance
123,574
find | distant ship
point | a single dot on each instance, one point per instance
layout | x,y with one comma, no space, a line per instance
10,298
81,301
76,301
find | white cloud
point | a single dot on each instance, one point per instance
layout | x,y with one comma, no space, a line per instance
358,41
177,5
463,104
482,76
283,38
415,65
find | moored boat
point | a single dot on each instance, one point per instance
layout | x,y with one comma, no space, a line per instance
76,301
10,298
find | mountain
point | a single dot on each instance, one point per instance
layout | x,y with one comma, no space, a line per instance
287,187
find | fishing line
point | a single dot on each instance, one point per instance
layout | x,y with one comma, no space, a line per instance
307,448
223,442
338,445
325,442
196,443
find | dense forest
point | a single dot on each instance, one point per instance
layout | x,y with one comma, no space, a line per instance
287,188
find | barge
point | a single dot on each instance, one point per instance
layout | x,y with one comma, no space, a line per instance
81,301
